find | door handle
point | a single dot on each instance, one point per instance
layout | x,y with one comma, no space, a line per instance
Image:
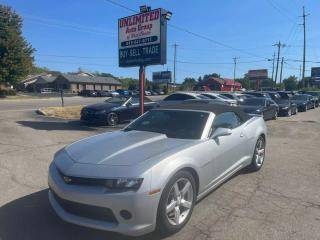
241,135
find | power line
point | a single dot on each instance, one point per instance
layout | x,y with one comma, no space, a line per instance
280,10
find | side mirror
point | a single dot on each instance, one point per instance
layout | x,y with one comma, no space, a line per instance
221,132
268,104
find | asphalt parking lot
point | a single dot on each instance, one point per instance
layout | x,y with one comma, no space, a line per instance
282,201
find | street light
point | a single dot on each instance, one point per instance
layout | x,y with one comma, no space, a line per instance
167,15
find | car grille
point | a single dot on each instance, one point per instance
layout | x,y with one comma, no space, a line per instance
83,181
86,211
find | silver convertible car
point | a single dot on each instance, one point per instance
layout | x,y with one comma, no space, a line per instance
149,175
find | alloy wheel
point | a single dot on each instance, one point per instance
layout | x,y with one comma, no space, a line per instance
112,119
259,152
289,112
179,202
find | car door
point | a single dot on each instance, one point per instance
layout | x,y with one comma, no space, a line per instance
269,110
226,152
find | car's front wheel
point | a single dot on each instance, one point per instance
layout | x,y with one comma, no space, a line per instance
112,119
176,203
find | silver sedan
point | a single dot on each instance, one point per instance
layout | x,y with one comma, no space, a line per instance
149,175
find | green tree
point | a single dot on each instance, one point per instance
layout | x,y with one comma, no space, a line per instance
207,76
290,83
16,60
188,83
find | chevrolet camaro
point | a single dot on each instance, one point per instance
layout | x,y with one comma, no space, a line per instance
149,175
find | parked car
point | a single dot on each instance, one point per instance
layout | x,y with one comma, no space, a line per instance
239,97
304,102
258,94
179,97
88,93
101,93
114,94
115,110
315,94
147,93
122,92
315,97
46,90
159,91
149,175
285,94
260,106
286,107
220,97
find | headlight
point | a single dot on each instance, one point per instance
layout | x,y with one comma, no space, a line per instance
258,110
285,108
122,184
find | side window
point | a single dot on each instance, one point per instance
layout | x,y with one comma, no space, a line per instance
226,120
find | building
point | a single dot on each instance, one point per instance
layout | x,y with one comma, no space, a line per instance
218,84
69,82
257,77
76,83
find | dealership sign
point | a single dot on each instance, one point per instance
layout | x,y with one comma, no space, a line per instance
161,77
315,73
142,39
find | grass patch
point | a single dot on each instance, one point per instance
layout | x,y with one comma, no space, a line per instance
72,112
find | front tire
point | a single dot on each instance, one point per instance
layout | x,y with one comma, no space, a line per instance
176,203
112,119
258,155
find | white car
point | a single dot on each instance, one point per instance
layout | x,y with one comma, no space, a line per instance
149,175
213,95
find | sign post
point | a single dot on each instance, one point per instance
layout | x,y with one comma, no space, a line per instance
142,40
141,87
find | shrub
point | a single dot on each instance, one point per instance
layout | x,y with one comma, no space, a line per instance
7,92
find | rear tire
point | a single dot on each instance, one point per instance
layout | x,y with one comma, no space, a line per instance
176,203
258,155
289,112
275,116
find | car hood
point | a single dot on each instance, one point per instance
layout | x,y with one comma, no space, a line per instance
298,101
122,148
102,106
250,109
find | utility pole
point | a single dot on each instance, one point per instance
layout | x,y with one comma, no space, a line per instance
281,69
279,45
174,64
274,56
234,71
304,15
300,72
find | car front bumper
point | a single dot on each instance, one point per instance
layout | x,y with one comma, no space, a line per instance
141,205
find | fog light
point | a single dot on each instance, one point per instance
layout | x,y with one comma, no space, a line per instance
125,214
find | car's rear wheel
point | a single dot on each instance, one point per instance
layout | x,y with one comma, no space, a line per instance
258,155
275,116
112,119
176,203
289,112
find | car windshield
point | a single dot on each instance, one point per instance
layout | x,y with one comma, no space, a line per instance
117,100
203,97
253,102
174,123
300,97
223,97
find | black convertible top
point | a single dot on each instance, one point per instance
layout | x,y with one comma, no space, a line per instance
209,107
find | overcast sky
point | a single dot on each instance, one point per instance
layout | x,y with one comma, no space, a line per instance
68,34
